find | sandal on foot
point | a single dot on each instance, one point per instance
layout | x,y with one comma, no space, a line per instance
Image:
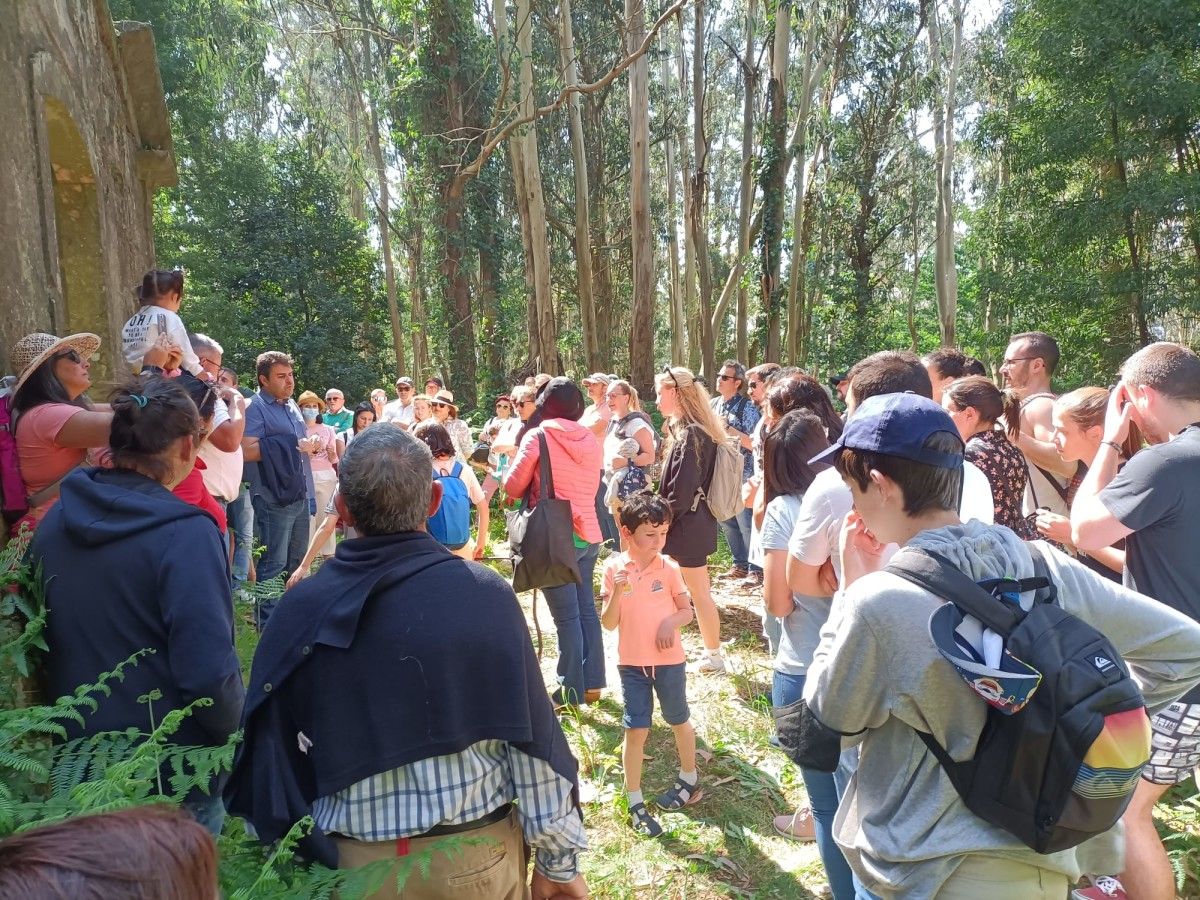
680,795
643,822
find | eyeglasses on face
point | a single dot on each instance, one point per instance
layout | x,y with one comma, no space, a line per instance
753,384
724,377
72,355
1017,359
503,406
438,404
524,402
404,388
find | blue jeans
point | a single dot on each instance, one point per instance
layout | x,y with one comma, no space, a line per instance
240,514
580,646
822,797
608,525
283,531
737,535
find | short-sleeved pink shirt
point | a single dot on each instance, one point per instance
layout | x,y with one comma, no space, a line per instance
42,460
649,598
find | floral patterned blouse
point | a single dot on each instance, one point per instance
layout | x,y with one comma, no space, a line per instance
1004,466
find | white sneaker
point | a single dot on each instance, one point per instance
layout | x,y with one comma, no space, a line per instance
712,663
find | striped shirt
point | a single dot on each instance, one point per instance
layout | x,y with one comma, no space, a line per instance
462,787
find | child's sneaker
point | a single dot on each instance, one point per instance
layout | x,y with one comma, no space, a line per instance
643,822
1103,887
711,664
679,795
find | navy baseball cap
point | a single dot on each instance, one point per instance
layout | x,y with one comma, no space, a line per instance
897,425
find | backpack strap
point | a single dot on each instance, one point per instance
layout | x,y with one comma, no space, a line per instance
945,580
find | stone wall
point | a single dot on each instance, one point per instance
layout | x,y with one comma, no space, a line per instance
86,142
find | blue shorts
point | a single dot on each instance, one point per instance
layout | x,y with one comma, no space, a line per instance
637,685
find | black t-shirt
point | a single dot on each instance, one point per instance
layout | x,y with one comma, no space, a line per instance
1157,494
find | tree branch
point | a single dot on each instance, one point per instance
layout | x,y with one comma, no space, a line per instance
474,167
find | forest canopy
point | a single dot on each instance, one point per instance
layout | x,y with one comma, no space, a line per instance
484,190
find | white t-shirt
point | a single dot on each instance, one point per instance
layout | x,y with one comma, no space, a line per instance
399,412
801,631
612,442
223,475
142,330
828,500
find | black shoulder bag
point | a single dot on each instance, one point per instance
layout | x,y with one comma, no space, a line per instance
543,551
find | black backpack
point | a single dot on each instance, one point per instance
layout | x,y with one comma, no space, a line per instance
1063,767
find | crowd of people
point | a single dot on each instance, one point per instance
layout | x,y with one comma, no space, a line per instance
394,695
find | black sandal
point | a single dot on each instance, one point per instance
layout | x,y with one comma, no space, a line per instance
643,822
680,795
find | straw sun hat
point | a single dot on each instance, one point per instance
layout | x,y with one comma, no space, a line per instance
444,396
34,349
313,400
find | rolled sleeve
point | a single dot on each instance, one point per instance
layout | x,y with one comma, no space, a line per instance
550,818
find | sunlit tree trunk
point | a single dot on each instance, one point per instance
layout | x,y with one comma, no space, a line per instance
945,88
583,238
746,192
675,290
698,202
641,333
775,152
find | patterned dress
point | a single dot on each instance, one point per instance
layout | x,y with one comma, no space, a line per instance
1004,466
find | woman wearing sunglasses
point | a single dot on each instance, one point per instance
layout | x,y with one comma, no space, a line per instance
693,431
445,413
56,423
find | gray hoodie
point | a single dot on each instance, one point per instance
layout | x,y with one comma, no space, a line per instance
878,676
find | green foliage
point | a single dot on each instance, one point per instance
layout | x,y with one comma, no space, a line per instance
274,264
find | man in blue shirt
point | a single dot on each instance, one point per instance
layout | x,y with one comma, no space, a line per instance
739,416
278,455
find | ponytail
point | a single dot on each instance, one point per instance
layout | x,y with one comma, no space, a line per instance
158,283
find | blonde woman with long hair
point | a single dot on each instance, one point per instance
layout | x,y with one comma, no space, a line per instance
693,432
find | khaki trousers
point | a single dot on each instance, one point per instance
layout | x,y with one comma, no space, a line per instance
493,868
995,878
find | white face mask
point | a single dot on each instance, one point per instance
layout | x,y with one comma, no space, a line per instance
309,413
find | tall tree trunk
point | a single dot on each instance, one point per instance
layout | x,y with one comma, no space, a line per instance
641,333
383,207
583,238
675,290
690,305
945,88
698,202
516,155
1137,309
775,152
746,192
547,324
602,290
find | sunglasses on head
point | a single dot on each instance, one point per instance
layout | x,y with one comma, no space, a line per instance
667,371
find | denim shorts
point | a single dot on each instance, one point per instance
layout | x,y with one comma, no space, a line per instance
669,682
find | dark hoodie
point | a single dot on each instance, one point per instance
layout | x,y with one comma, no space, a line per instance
127,565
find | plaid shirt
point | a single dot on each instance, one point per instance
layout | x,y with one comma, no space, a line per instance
462,787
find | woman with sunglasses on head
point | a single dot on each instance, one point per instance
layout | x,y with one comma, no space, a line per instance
54,423
445,413
693,431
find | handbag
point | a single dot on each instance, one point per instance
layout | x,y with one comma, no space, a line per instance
634,482
543,552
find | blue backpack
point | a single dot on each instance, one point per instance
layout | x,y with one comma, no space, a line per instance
451,524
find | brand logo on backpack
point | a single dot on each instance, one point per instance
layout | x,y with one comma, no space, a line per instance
1102,663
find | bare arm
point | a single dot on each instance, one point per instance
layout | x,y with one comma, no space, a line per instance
251,452
481,538
1110,558
85,429
776,592
1093,527
228,435
324,533
1045,455
805,579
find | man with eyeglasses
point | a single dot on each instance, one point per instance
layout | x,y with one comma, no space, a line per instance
740,417
400,411
336,415
1029,364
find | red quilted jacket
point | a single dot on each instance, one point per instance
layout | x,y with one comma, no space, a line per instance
575,461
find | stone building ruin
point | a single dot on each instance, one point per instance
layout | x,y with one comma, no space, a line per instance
85,143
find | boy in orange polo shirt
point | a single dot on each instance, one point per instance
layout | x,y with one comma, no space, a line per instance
647,603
